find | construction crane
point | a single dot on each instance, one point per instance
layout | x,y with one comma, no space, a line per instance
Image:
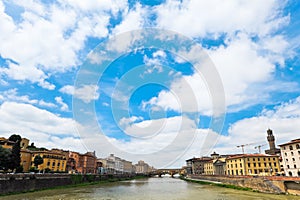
242,146
259,147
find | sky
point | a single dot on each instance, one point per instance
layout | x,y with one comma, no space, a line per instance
160,81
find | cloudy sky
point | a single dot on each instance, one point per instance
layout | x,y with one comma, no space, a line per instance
161,81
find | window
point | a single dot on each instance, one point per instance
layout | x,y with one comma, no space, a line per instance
295,166
254,164
258,164
291,147
264,159
265,164
283,148
273,159
287,160
288,166
253,159
237,172
293,159
235,165
297,146
255,171
274,164
48,163
248,164
292,153
240,164
258,159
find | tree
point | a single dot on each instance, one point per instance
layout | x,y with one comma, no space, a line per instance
5,158
38,160
15,155
15,138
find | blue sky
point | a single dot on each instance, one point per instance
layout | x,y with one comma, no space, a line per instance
62,86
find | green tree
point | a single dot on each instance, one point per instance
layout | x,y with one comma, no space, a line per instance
15,155
38,160
5,159
15,138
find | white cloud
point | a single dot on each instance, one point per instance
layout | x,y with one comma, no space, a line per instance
186,94
40,54
86,93
133,19
42,127
12,95
64,106
204,17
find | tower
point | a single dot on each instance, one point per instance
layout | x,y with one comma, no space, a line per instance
271,139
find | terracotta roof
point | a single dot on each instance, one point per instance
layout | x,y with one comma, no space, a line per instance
291,142
251,155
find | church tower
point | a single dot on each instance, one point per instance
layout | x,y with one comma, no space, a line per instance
271,139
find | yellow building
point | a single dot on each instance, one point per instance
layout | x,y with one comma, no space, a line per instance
26,157
253,164
53,160
209,168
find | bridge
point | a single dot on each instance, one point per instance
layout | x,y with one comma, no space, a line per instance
161,172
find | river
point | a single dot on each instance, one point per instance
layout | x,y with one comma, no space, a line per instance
144,189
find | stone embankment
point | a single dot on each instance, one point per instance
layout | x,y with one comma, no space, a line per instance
271,184
17,183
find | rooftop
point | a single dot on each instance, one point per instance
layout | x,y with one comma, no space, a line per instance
291,142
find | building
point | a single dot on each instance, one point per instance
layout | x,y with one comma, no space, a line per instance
198,164
272,148
5,143
220,166
53,160
290,153
26,157
118,163
253,164
127,167
84,163
209,168
141,167
215,166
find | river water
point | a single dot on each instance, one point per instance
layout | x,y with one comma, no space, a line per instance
144,189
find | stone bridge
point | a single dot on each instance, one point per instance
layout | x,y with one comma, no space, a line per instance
161,172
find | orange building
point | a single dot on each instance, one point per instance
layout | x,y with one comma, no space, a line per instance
84,163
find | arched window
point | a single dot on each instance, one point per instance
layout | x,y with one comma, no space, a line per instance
297,146
290,174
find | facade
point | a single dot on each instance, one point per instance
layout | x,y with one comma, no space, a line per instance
290,153
26,159
253,164
127,167
198,164
53,160
88,162
84,163
271,140
219,166
141,167
118,164
209,168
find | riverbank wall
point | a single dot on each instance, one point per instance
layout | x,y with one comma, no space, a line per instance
276,185
18,183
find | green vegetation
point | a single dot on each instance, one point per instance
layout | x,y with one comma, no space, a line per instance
38,160
10,159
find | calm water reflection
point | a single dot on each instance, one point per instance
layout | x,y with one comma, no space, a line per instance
152,188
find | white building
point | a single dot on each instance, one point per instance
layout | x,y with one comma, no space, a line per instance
290,153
